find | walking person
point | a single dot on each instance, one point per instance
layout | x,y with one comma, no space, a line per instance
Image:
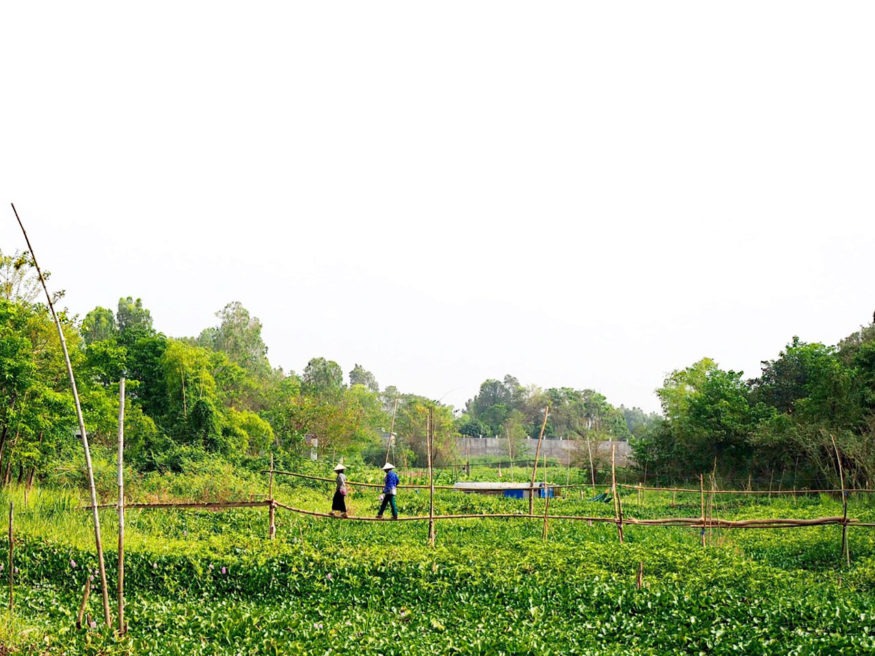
390,487
338,503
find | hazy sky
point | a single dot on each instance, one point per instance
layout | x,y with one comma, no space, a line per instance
579,194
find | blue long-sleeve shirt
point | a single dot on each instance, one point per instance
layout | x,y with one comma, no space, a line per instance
391,482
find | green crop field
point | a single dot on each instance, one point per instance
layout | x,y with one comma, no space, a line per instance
212,582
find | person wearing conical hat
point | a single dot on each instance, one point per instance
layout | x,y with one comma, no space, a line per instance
390,487
338,503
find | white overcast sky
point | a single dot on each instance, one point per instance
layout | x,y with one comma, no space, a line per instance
579,194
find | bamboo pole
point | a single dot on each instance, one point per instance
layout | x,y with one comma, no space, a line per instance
546,515
846,552
535,466
122,629
271,512
591,467
194,505
754,492
711,507
702,493
429,441
692,522
11,559
88,466
618,509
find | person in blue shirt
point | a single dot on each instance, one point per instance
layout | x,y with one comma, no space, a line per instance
390,487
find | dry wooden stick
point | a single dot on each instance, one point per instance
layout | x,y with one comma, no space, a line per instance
546,509
618,509
11,561
271,513
846,552
702,492
202,505
121,507
429,438
535,466
88,466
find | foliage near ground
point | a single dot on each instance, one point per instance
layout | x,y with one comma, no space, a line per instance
205,582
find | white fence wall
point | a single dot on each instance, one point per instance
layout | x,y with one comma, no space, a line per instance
562,450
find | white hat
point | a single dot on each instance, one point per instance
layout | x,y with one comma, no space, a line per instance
388,465
340,468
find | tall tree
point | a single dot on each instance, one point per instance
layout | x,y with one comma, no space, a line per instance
99,325
19,280
361,376
239,335
323,378
134,320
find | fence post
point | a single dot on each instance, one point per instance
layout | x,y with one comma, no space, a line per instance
535,466
618,509
271,513
121,507
702,492
11,561
429,443
846,552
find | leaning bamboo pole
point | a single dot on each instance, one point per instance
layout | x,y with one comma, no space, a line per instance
83,434
535,466
121,507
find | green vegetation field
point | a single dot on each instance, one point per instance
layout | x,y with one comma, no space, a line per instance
202,582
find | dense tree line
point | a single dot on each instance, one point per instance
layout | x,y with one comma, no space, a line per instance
189,398
504,408
217,395
810,409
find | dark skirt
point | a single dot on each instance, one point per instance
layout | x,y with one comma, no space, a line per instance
338,502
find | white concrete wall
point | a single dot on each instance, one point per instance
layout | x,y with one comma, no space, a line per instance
562,450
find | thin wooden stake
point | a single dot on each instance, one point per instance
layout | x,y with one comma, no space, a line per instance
711,507
846,552
591,466
11,560
546,509
618,509
429,440
121,507
535,467
88,466
271,513
702,492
